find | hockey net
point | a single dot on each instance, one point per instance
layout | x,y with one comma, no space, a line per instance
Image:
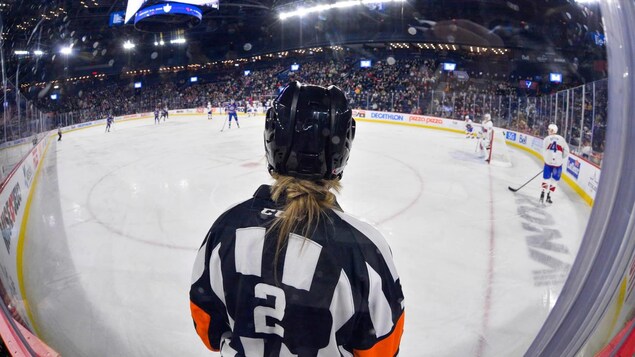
499,152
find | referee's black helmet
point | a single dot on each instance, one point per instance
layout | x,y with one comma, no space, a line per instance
309,132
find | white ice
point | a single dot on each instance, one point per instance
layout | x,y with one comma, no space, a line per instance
117,219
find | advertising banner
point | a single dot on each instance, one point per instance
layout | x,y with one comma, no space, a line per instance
13,200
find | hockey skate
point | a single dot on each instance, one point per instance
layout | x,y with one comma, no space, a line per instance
549,198
542,197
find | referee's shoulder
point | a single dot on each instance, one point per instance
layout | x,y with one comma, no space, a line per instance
363,230
372,243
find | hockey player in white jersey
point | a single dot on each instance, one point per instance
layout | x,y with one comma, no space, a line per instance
555,152
209,110
469,129
487,136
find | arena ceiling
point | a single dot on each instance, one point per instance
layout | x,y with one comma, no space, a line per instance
246,28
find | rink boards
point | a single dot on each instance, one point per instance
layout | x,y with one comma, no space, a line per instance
581,175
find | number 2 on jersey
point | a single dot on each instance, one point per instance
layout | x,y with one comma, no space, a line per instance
262,291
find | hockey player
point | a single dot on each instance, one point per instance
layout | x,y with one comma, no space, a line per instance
209,110
231,111
468,127
487,135
287,272
109,121
59,133
156,116
250,109
165,112
555,152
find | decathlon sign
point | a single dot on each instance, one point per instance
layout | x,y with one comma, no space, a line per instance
387,116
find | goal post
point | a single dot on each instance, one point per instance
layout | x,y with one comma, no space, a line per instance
499,151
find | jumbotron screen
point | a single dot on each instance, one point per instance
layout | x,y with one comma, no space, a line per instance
135,5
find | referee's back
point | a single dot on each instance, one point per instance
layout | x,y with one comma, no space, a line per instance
335,293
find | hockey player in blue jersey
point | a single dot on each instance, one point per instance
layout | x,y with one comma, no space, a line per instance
468,127
231,111
109,121
164,112
156,116
555,152
288,272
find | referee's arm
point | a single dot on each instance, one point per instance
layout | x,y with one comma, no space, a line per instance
207,308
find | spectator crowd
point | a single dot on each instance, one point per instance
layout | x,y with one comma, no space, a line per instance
408,85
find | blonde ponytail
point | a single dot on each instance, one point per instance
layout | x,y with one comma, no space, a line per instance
305,203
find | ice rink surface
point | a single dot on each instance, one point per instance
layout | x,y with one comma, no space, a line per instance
117,219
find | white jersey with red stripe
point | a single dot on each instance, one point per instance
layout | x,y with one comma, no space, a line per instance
335,293
555,150
488,130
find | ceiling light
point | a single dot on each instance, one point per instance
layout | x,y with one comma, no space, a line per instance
338,5
128,45
38,52
21,52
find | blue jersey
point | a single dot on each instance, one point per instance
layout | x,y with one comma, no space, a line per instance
231,109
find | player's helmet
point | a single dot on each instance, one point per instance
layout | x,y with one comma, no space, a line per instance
467,117
487,117
553,128
309,132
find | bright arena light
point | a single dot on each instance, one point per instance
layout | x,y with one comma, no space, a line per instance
21,52
38,52
177,41
338,5
67,50
128,45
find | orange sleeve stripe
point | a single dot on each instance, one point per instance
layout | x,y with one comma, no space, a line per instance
388,346
202,321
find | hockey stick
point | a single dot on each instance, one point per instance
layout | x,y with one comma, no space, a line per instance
531,179
225,122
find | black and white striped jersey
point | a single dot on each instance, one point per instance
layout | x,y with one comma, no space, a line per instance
335,293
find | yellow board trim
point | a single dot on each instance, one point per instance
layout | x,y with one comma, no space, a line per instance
22,240
574,186
96,124
147,117
621,296
409,124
